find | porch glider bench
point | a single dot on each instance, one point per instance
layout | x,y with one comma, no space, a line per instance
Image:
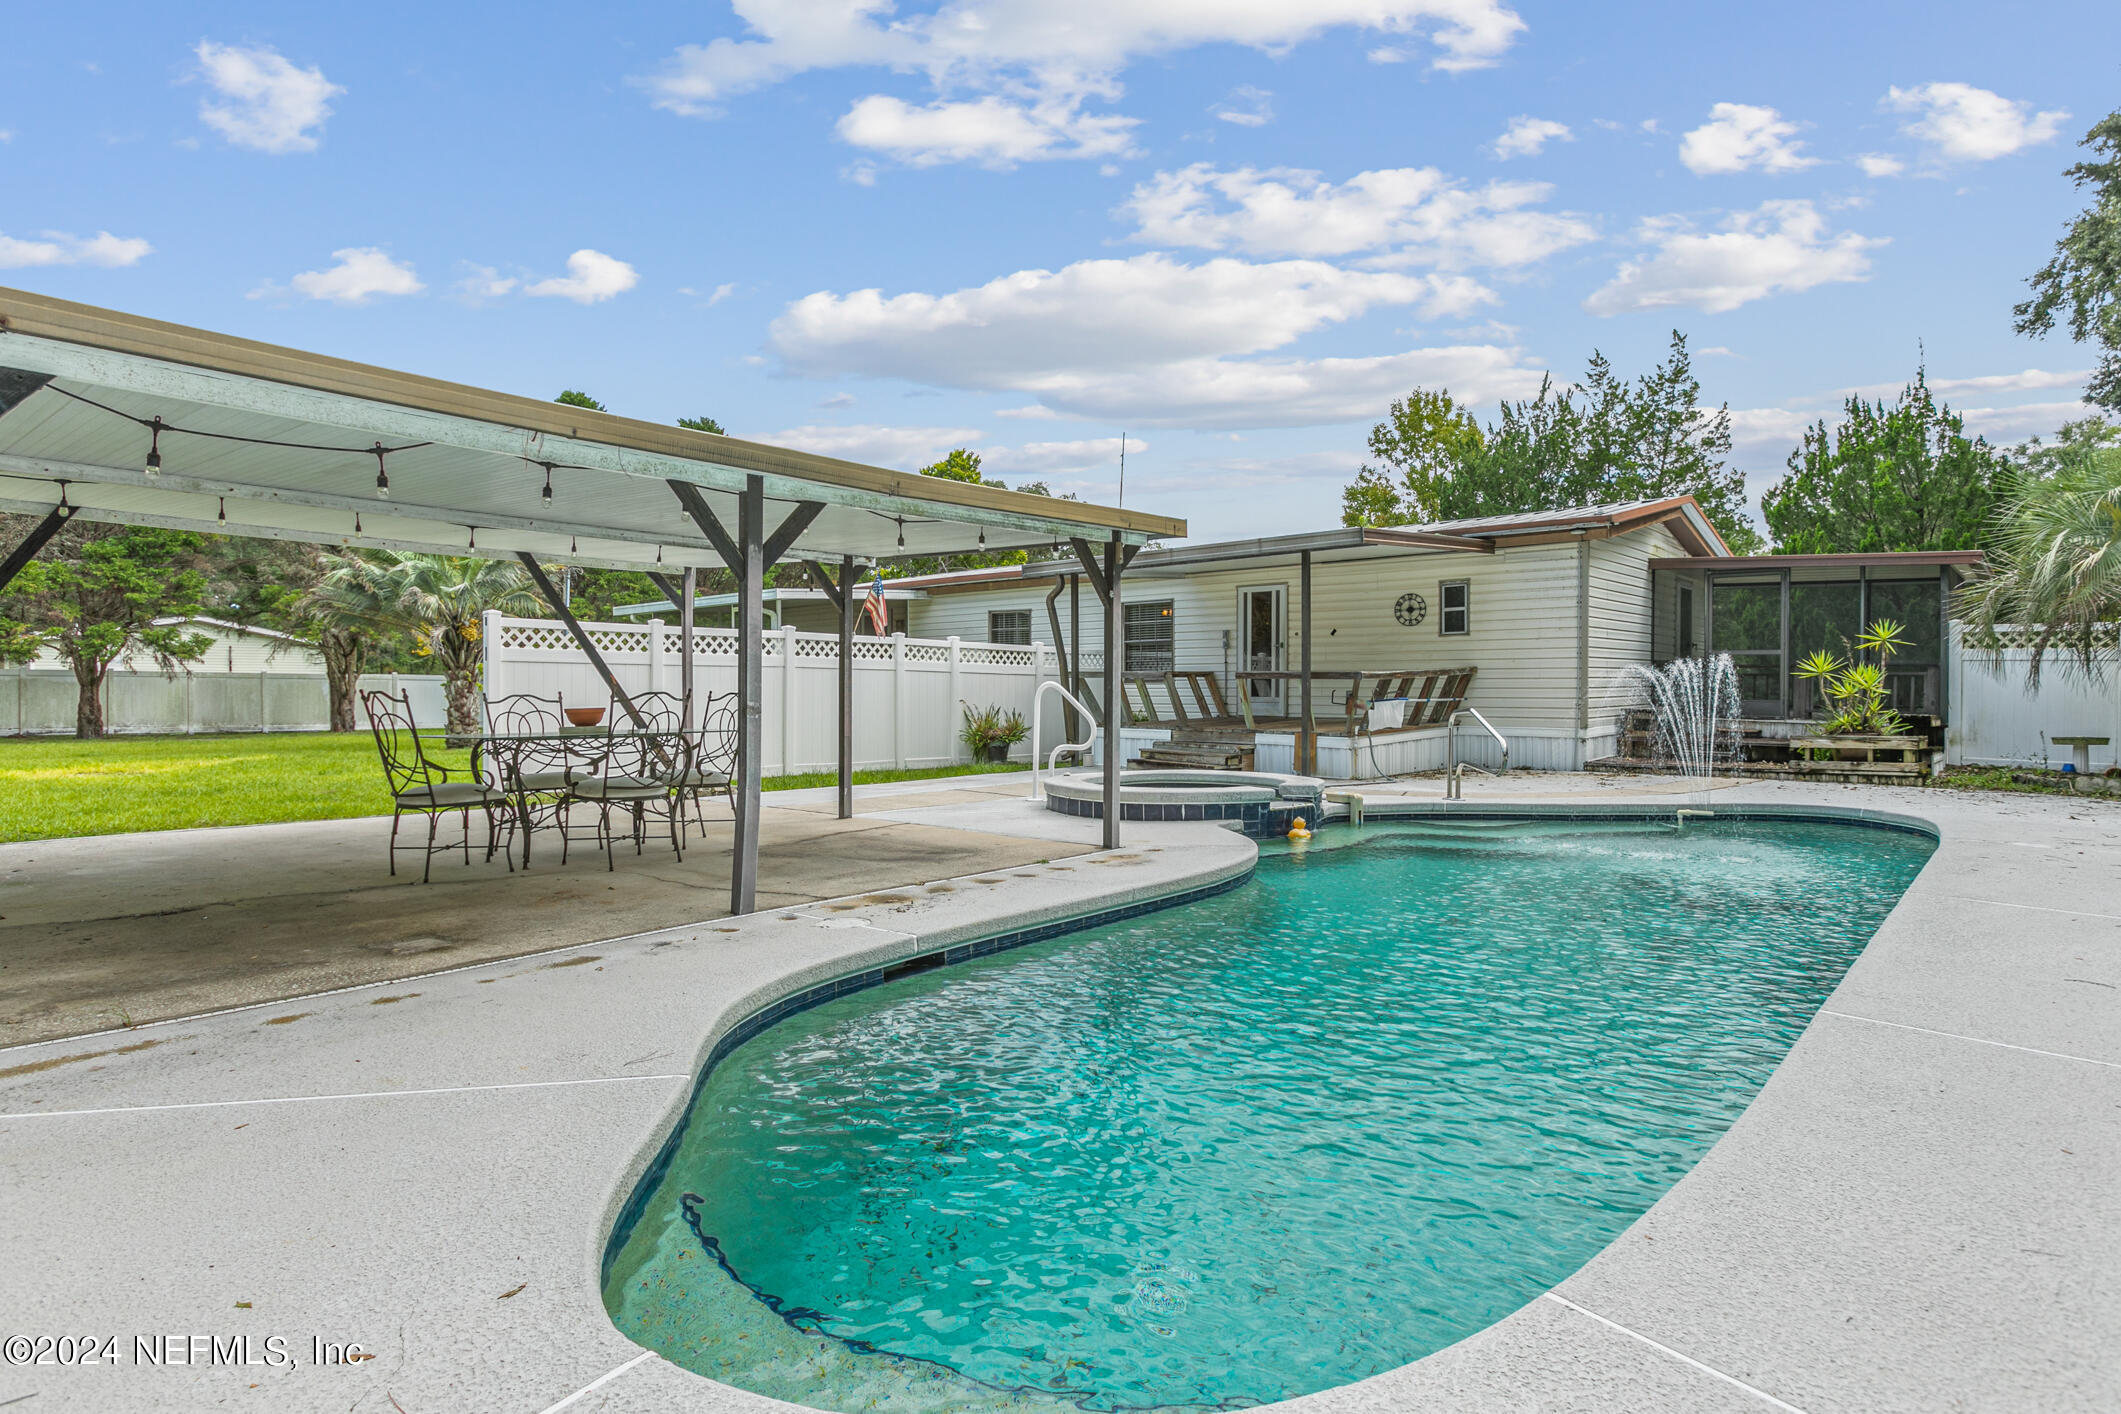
1197,699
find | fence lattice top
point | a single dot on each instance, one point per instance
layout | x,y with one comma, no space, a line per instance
549,635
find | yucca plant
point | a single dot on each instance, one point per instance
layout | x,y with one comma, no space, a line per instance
1857,690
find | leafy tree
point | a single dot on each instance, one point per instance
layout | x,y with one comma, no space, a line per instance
1605,440
434,601
1905,477
703,423
2082,283
1424,441
2054,557
575,399
96,593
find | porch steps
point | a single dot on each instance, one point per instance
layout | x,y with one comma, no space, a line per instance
1200,749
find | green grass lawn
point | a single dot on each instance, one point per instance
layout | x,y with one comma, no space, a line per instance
51,788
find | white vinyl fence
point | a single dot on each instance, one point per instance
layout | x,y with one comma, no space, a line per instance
907,691
1996,721
41,701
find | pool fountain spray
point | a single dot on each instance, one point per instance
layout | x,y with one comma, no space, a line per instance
1695,705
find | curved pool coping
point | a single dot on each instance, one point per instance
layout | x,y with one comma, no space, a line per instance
801,989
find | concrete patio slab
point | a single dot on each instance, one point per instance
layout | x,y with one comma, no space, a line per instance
1916,1213
121,929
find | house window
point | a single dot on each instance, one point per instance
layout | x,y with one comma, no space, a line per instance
1686,621
1009,626
1454,607
1151,645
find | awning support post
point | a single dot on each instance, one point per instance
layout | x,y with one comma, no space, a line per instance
681,592
749,553
557,602
841,596
1104,579
1307,741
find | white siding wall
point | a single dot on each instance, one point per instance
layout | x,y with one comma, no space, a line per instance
231,653
1522,638
1621,607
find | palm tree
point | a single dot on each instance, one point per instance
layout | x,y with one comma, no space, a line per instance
2055,565
435,599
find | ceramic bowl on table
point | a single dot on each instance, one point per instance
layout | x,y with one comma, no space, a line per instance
585,716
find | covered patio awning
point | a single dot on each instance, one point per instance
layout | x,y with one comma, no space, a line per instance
111,417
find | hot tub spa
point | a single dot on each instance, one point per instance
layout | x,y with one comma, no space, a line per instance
1258,802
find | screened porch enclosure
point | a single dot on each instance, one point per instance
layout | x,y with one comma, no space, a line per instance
1770,613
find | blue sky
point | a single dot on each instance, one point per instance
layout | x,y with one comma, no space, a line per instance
1234,232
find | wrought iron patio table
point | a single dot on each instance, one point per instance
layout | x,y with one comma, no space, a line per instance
507,758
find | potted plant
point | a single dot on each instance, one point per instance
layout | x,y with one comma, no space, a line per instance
990,732
1856,691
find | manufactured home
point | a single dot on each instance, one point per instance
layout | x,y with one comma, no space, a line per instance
1532,621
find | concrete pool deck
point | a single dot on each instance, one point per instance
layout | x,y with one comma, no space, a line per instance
1918,1212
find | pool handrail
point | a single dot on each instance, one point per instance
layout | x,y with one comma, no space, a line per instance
1454,773
1038,702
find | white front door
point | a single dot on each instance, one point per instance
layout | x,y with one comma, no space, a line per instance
1262,643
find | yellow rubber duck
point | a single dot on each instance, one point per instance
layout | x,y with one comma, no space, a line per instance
1298,830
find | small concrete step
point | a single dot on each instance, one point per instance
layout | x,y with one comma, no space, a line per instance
1193,758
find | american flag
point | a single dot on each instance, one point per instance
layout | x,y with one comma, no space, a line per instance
873,606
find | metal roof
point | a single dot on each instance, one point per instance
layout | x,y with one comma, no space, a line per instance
466,468
1476,536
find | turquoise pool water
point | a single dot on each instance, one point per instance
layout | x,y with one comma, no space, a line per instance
1282,1139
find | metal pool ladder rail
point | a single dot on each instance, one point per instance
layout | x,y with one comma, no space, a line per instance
1454,774
1038,701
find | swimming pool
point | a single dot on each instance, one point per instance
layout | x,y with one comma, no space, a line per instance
1263,1144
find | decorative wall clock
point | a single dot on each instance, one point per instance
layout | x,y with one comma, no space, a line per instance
1410,609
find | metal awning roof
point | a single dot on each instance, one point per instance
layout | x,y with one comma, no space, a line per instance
465,468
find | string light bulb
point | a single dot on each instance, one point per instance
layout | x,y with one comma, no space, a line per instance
474,543
154,449
901,532
222,518
983,537
382,474
357,522
546,496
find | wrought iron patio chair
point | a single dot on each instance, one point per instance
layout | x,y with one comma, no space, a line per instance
714,757
534,773
642,774
420,787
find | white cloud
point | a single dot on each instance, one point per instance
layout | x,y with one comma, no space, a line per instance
261,100
721,292
1012,74
483,282
906,448
1717,351
7,135
1248,107
1032,412
1967,124
1094,314
1782,248
59,248
1080,47
990,131
1216,393
1417,213
1740,137
1528,136
591,276
1042,459
362,272
1880,164
1151,340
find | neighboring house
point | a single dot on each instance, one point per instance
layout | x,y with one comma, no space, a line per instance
1548,609
236,648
